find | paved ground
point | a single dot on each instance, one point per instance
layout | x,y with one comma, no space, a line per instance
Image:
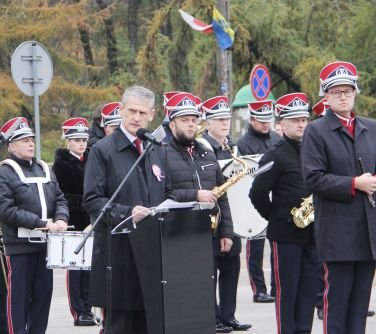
262,317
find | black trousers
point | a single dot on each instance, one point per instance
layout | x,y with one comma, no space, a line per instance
296,269
78,292
29,293
126,322
3,298
255,259
229,269
346,297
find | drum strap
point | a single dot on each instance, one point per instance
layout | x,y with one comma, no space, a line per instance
37,180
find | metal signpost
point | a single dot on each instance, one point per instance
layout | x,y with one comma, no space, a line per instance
260,82
32,71
224,57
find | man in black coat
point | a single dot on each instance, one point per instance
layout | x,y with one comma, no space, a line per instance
193,170
29,198
338,163
217,115
296,267
258,140
108,163
69,166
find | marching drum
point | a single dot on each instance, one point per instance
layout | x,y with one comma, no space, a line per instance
60,251
246,220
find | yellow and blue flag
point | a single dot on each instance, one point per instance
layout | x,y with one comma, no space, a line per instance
223,32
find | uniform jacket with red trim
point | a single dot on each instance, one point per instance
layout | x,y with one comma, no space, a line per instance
345,225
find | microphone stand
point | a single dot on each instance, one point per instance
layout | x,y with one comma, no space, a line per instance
107,210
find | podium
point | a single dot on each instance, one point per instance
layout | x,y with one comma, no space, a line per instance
174,257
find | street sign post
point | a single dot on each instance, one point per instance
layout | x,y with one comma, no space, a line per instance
32,72
260,82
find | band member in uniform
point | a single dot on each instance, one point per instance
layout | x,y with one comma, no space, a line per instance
69,168
296,266
29,195
338,163
186,157
258,140
108,163
218,120
111,118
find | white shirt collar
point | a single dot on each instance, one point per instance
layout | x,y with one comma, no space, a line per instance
131,137
75,155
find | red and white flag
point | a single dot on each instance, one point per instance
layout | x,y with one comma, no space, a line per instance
196,24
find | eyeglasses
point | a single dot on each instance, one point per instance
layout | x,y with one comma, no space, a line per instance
337,93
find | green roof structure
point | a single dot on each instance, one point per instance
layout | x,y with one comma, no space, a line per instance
244,96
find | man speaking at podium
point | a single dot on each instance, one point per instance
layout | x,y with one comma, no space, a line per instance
109,161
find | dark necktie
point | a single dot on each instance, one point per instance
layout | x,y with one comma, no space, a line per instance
138,145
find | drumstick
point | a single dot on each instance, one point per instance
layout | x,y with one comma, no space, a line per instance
46,228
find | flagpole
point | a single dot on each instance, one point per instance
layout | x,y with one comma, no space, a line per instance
224,57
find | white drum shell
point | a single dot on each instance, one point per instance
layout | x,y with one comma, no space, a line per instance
246,220
60,251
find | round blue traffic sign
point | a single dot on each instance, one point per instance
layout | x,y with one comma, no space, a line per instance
260,82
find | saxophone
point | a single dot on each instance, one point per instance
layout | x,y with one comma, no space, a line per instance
221,190
304,215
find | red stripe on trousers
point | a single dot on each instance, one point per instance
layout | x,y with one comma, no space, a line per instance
247,255
73,312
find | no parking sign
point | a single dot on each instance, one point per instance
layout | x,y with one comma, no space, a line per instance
260,82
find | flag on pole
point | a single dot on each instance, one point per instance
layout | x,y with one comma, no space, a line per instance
223,32
196,24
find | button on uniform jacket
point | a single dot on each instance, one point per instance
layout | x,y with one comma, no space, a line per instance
345,225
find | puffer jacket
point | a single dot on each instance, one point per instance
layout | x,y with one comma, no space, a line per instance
186,174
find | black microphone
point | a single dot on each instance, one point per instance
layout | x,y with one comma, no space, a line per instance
144,134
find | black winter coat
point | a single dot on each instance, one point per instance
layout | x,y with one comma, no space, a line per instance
20,206
254,142
186,175
69,171
109,161
285,182
345,225
222,154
